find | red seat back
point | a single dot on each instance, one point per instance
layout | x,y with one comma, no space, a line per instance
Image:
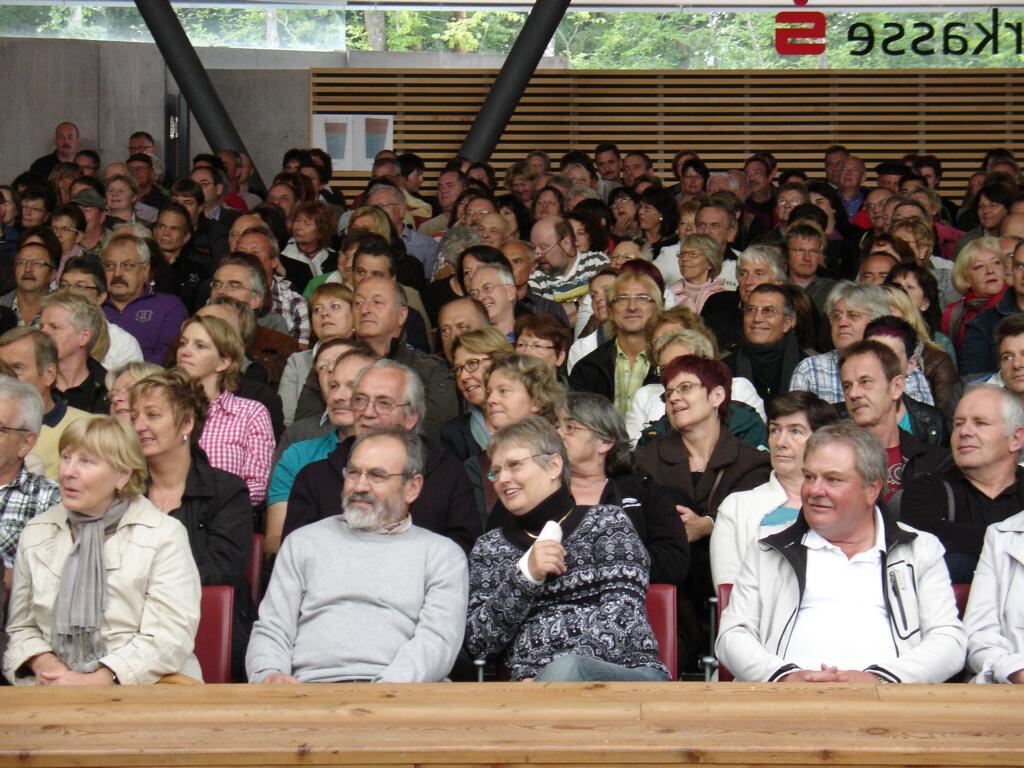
254,571
724,592
213,638
661,613
961,592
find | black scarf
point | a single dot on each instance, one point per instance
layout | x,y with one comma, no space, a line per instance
517,528
768,366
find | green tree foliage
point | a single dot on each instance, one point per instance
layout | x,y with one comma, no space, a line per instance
588,40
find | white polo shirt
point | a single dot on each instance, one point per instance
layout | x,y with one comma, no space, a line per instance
842,620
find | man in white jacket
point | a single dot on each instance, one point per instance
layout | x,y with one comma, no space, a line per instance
845,594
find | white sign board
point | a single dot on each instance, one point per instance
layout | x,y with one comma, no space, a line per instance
352,141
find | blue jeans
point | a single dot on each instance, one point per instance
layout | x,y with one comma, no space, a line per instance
582,669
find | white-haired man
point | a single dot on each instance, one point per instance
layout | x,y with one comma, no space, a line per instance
23,494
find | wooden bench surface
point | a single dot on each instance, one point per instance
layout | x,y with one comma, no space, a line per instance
508,724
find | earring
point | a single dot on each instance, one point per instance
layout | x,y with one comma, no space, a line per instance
184,438
661,218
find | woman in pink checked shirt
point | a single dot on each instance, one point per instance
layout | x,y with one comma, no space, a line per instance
238,436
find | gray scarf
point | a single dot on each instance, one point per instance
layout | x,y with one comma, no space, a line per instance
78,612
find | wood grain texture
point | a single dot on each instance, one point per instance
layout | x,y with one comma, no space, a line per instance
507,724
725,116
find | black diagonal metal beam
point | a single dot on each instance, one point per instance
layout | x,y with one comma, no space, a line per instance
191,76
508,87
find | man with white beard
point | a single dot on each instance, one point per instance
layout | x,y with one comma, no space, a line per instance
365,596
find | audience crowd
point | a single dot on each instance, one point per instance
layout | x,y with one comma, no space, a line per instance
476,426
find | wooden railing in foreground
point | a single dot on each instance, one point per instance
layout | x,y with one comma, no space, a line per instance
514,724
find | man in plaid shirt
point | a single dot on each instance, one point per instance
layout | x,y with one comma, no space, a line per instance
23,494
850,307
260,242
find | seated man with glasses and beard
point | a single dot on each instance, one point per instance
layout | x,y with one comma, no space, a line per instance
365,596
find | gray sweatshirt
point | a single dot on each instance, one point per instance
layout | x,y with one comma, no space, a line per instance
346,604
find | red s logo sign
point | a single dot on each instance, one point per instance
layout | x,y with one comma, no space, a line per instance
805,38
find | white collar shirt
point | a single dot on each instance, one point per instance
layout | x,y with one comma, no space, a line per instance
842,620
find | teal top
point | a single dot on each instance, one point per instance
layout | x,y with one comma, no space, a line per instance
294,459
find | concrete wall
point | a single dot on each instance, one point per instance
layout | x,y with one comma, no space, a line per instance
112,89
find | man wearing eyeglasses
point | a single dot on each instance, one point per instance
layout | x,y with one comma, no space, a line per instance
181,275
850,307
387,394
562,275
367,596
85,277
25,493
154,319
493,286
620,366
391,200
769,351
34,267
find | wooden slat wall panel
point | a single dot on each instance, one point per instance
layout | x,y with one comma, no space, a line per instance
724,116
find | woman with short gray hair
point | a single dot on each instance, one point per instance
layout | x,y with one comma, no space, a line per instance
559,591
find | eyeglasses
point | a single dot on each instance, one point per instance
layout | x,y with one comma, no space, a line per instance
691,255
120,266
36,209
513,466
641,300
375,477
381,405
549,249
682,389
853,315
231,285
32,263
486,289
768,313
470,366
6,430
78,286
571,428
532,345
64,230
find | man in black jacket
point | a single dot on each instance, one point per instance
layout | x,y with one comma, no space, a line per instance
986,486
872,382
619,367
390,394
924,421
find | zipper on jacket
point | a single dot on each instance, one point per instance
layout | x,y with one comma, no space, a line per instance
899,598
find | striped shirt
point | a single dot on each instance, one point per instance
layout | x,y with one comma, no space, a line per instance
574,284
